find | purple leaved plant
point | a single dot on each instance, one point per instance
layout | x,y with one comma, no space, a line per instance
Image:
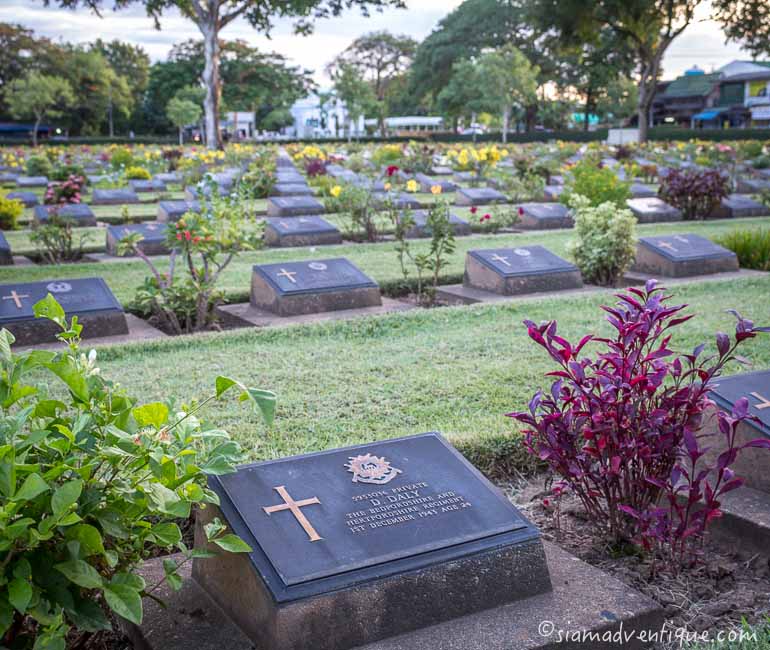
625,431
696,193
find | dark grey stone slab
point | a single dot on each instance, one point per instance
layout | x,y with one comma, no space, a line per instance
373,185
153,237
28,199
290,206
427,183
653,210
289,177
752,463
440,170
460,227
545,215
513,271
144,186
93,179
118,196
553,192
291,189
407,522
642,191
341,174
295,288
300,231
400,201
169,177
479,196
90,299
6,257
80,214
468,177
284,162
685,255
738,206
752,185
173,210
204,190
32,181
8,177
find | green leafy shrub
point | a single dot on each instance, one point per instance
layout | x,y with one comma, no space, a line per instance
38,166
761,162
605,242
10,211
597,184
751,246
92,483
121,158
63,172
751,148
136,173
56,242
357,204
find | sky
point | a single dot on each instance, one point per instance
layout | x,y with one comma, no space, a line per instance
702,43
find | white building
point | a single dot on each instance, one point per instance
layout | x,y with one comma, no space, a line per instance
311,120
408,124
239,125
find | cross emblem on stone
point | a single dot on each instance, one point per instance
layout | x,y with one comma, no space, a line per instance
288,274
295,508
152,226
500,258
665,244
16,297
283,224
763,403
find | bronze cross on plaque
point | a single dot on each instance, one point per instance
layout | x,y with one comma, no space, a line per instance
288,274
499,258
763,403
16,297
294,506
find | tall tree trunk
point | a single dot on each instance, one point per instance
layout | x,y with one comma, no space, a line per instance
648,80
506,121
211,82
587,112
109,115
34,131
181,139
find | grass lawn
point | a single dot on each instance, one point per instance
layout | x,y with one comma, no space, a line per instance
378,260
456,370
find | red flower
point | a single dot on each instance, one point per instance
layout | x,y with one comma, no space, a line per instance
187,235
474,210
487,217
521,211
392,169
179,236
196,240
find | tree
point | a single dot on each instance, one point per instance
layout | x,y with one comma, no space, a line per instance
40,96
745,21
182,112
464,93
380,58
212,16
355,92
618,101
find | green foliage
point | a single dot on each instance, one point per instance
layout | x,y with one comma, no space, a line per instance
121,158
137,173
38,166
10,211
751,149
605,242
92,484
62,172
38,95
358,205
751,246
597,184
260,177
353,91
182,112
56,242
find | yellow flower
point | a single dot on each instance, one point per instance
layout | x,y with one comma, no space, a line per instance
435,189
335,191
411,185
387,187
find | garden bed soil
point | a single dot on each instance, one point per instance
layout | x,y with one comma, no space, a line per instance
718,593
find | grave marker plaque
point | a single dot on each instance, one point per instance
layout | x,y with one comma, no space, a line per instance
679,256
173,178
6,257
420,228
365,543
513,271
545,215
8,177
293,206
79,214
291,189
642,191
752,463
145,186
737,206
289,177
553,192
441,170
153,234
300,231
32,181
119,196
427,183
401,201
173,210
90,299
479,196
296,288
752,185
653,210
28,199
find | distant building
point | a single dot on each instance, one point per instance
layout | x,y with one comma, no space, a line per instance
408,125
17,130
239,125
313,120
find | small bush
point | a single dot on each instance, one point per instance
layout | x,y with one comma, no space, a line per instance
10,211
597,184
761,162
696,193
121,158
315,167
751,246
69,191
751,148
55,240
136,173
63,172
606,240
625,431
38,166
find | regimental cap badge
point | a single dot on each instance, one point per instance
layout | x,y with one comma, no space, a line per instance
371,469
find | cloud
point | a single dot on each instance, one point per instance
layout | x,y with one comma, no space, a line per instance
702,43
